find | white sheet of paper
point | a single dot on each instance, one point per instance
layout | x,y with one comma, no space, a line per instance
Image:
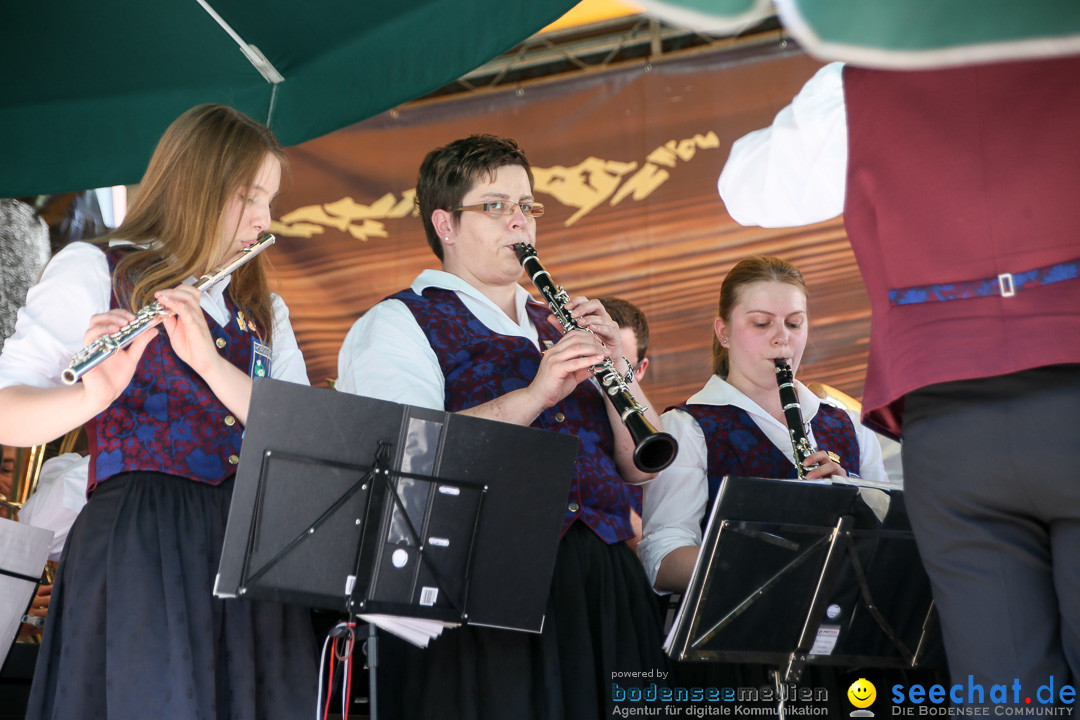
23,551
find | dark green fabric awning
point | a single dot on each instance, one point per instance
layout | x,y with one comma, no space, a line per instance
90,86
898,33
932,33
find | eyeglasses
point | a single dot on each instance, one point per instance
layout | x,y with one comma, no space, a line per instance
500,208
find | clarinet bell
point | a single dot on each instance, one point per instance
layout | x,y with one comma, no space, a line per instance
653,450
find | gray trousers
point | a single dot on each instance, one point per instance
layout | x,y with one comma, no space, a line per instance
992,482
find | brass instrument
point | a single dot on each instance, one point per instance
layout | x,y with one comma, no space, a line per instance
26,470
653,449
789,401
150,315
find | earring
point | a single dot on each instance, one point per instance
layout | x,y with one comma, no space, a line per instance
723,342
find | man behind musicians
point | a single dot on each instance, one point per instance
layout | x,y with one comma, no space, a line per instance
634,328
957,187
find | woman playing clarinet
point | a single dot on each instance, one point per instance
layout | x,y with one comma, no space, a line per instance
468,338
736,424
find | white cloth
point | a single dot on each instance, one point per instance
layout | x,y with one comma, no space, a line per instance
386,355
793,172
674,502
60,495
75,285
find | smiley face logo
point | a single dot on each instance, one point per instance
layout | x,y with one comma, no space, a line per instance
862,693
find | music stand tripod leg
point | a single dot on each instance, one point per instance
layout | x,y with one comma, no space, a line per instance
372,652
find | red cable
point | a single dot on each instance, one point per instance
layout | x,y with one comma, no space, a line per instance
329,687
347,660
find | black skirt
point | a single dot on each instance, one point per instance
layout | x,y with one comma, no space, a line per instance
602,627
134,631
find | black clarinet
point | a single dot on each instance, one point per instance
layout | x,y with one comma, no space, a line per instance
653,449
789,401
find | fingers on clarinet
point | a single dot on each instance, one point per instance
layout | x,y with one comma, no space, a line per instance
593,360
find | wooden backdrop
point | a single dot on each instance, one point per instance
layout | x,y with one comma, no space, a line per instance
626,162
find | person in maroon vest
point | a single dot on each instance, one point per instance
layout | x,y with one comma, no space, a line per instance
134,630
958,187
735,425
468,338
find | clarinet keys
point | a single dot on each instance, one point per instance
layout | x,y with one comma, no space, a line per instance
654,449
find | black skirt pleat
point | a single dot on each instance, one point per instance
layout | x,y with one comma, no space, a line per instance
134,630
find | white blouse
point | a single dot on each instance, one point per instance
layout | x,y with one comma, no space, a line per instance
75,285
674,501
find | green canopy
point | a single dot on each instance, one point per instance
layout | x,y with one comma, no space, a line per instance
932,33
90,86
898,33
719,17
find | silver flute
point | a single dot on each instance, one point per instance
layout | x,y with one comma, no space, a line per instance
148,316
653,449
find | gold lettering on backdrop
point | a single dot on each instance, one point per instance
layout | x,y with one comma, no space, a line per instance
584,186
650,177
359,220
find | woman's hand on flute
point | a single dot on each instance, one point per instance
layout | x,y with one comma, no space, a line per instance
107,381
191,340
30,415
187,329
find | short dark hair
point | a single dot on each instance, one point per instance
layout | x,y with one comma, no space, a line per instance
628,315
449,172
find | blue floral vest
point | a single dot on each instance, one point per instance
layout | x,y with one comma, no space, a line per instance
167,419
480,365
737,446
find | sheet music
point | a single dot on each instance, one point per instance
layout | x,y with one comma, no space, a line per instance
845,480
418,631
23,552
875,494
859,482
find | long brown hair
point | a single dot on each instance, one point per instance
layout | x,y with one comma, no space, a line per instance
758,268
204,157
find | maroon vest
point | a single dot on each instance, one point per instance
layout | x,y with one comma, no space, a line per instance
167,419
735,445
956,177
480,365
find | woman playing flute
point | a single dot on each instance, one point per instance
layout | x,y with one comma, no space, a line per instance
133,629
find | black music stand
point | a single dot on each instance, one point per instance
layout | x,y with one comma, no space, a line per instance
362,505
366,506
794,573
